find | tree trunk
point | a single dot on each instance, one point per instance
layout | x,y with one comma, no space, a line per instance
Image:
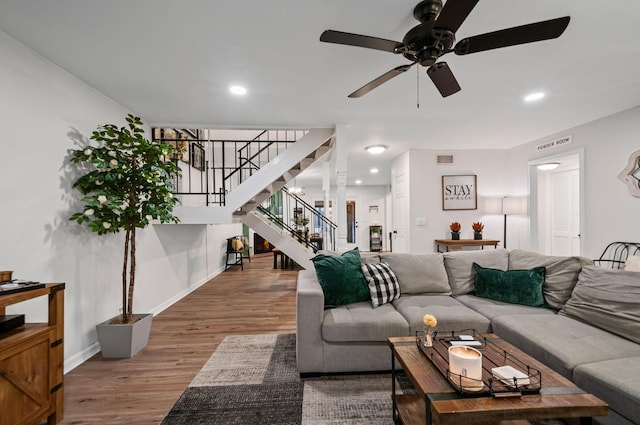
125,261
132,272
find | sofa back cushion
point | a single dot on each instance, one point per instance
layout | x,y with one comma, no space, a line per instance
561,276
459,267
418,273
512,286
608,299
341,278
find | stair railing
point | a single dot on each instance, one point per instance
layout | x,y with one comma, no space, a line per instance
213,168
296,216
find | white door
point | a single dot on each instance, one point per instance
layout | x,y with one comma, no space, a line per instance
400,211
564,209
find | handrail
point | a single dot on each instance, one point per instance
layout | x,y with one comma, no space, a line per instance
295,233
248,160
293,207
309,207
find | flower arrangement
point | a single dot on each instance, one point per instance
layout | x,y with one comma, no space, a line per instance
477,226
455,226
126,183
430,322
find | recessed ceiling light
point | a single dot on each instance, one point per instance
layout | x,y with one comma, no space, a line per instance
358,181
374,170
376,149
548,166
238,90
533,97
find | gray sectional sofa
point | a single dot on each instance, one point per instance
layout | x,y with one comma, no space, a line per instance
588,330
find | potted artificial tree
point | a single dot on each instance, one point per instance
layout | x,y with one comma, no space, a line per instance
126,184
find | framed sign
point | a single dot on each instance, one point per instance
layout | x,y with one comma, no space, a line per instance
459,192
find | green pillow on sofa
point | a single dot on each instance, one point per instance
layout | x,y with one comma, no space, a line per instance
512,286
341,278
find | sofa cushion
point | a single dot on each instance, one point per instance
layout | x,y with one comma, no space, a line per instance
358,322
615,381
382,282
560,342
492,308
341,278
608,299
459,267
514,286
419,273
450,313
561,276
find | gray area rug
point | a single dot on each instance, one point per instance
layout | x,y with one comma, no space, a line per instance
253,379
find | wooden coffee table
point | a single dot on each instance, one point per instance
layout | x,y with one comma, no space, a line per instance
437,401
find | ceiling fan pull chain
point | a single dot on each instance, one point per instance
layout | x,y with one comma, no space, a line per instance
417,87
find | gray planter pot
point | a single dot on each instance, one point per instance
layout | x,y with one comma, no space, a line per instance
124,340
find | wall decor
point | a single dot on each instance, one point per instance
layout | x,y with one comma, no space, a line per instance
631,174
459,192
197,156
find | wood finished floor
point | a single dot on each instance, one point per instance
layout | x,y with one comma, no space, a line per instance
141,390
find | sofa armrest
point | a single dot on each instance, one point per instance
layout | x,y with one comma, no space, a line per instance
309,316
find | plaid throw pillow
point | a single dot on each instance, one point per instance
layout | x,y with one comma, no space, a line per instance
382,282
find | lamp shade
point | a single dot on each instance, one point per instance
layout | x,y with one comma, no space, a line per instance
514,205
493,205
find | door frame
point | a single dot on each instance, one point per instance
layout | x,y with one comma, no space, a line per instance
534,196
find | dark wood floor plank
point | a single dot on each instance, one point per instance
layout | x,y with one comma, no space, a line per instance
141,390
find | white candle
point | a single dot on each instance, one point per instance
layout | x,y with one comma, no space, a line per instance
466,362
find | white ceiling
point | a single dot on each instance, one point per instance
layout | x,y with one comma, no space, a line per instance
171,62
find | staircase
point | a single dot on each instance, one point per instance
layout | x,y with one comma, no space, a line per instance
241,203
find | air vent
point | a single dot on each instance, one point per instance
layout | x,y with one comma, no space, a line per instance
444,159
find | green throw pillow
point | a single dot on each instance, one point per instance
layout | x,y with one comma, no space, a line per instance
341,278
512,286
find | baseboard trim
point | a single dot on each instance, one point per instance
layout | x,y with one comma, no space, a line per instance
84,355
90,351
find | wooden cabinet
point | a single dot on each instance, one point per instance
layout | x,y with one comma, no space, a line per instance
31,363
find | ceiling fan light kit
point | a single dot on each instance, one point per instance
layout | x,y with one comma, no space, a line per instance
434,37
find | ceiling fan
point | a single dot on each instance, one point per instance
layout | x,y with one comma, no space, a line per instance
434,37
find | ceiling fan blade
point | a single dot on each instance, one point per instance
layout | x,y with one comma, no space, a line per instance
380,80
538,31
454,13
443,79
339,37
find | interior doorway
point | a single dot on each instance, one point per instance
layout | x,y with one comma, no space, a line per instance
557,204
352,223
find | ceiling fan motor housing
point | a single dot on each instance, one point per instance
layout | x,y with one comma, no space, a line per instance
424,44
427,10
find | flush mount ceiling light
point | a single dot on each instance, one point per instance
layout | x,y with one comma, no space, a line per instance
548,166
238,90
374,170
534,97
358,181
376,149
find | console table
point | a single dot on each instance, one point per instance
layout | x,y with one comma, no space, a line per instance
457,245
31,362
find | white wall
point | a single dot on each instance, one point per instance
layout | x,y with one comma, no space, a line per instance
612,214
426,194
365,196
45,111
